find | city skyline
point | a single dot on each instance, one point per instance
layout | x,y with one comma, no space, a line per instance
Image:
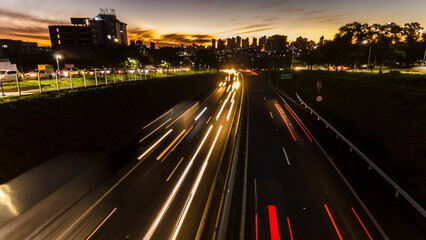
188,21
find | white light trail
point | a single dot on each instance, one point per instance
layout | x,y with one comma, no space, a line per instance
199,115
176,188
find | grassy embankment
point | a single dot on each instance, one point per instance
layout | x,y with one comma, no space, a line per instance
90,80
95,121
384,115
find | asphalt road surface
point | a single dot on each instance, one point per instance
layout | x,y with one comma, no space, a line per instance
292,188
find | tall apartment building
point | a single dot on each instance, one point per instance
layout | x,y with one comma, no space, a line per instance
104,29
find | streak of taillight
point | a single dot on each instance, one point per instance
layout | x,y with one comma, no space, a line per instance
334,223
353,210
273,223
298,123
282,116
289,227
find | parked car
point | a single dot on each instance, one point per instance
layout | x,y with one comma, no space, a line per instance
66,72
132,70
9,75
92,72
119,71
43,74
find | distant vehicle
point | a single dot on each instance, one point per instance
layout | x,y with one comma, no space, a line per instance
43,74
132,70
66,72
9,75
98,72
119,71
46,67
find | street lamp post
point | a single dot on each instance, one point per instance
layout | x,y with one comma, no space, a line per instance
369,53
57,71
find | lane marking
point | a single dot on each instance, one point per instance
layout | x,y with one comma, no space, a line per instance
280,111
158,118
353,210
255,196
273,223
155,144
100,225
334,223
286,157
298,122
289,227
176,188
199,115
174,170
272,116
347,224
195,187
155,130
208,120
171,144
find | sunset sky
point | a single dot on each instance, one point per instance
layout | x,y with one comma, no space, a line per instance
187,21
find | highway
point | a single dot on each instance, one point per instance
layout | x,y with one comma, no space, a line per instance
287,186
164,191
290,188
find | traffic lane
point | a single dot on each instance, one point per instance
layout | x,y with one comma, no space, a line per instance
343,199
347,214
395,215
109,235
169,169
187,209
195,213
146,140
290,150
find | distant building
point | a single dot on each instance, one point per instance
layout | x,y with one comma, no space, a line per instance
238,42
220,44
321,40
254,43
10,48
105,29
152,45
276,43
245,43
230,44
262,43
213,44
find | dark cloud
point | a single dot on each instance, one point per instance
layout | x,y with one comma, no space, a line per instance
256,30
21,17
148,35
249,27
140,33
180,38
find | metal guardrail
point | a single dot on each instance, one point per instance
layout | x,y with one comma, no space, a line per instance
398,189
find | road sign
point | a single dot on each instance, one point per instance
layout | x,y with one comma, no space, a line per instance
287,76
319,98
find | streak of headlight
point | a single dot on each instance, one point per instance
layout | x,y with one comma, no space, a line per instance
229,113
155,144
199,115
171,145
194,188
176,188
155,130
223,106
157,119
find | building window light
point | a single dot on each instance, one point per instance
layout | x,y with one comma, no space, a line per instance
109,36
4,46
